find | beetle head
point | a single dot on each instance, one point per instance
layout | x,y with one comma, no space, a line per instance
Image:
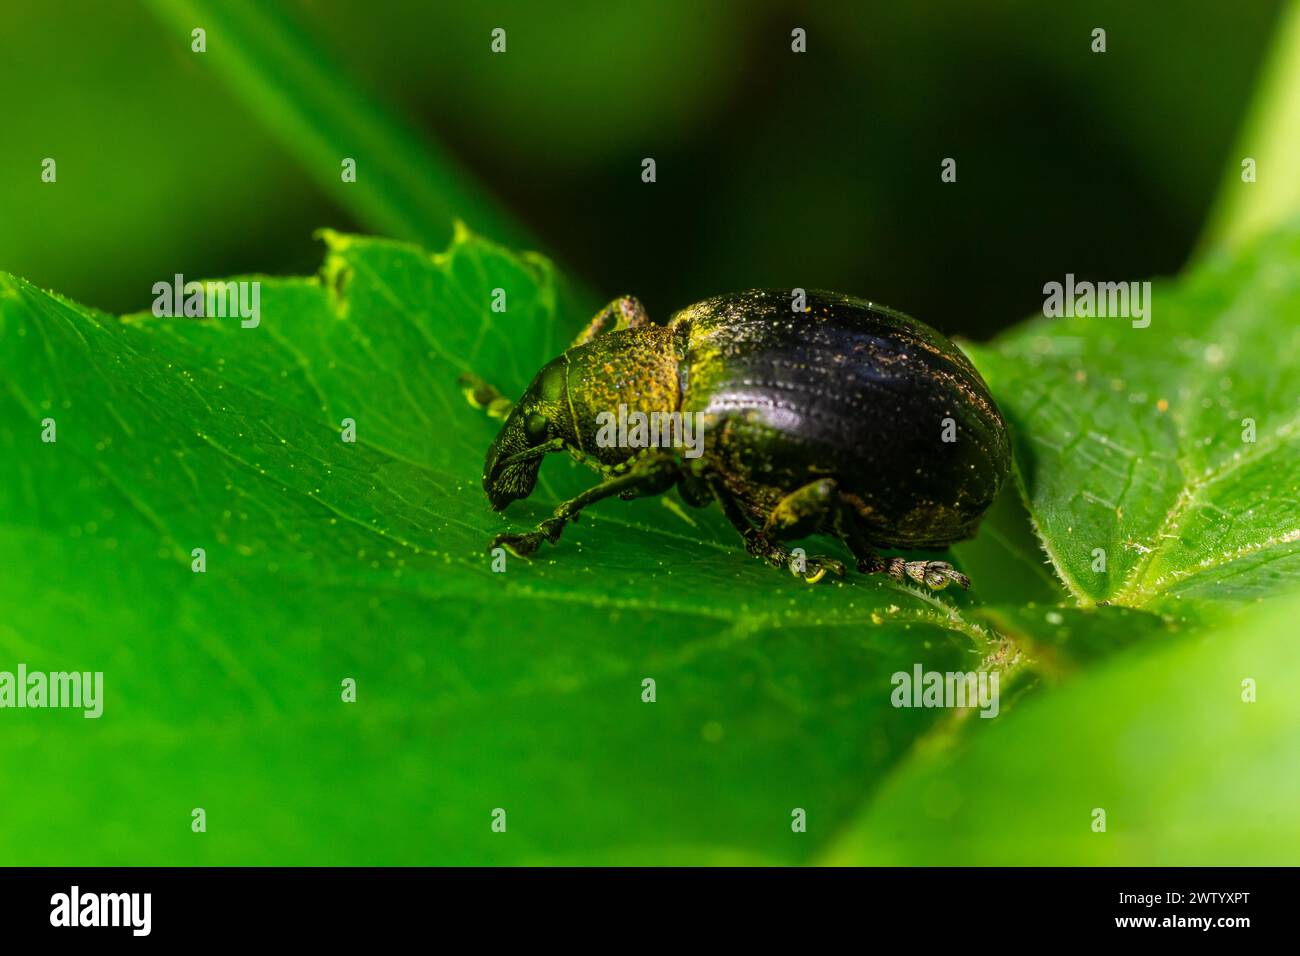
538,419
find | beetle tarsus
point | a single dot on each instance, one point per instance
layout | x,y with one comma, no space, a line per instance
814,569
524,544
811,569
935,575
520,544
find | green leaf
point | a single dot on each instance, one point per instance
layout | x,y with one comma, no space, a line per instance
1172,450
522,690
1186,771
1133,442
328,560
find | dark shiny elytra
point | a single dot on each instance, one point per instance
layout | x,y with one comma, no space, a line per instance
848,390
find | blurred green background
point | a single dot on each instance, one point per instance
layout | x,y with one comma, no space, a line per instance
818,170
773,169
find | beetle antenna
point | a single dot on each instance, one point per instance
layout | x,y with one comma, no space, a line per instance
484,395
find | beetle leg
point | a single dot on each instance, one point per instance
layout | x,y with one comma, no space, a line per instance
650,476
483,395
755,543
625,312
936,575
768,547
695,491
803,511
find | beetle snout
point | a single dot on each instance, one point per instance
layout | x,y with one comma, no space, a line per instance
490,474
506,480
508,483
496,489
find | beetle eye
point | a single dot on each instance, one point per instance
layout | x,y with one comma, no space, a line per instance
535,426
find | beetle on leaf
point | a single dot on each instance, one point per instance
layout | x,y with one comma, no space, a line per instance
845,418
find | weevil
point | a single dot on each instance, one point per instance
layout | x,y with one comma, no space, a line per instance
844,418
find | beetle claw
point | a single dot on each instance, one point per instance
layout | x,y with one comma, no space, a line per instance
935,575
524,544
815,569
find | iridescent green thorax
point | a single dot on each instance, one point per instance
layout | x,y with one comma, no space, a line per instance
637,369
